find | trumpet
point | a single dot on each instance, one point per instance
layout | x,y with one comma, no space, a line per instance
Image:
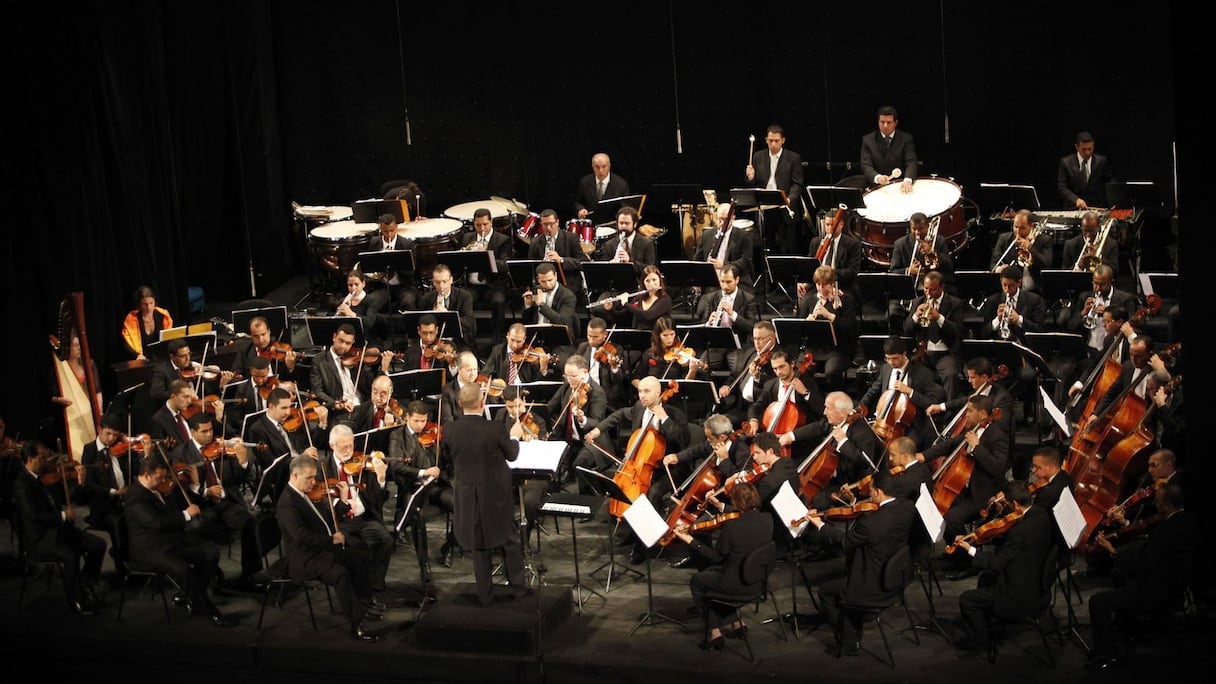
923,311
1090,320
1002,328
1091,255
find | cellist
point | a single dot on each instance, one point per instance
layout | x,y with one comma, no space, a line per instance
857,448
1134,375
916,381
986,445
648,412
786,387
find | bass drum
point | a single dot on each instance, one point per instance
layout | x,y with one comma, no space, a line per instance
335,250
884,219
430,237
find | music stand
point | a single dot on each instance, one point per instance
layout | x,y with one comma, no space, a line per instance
417,383
871,345
882,286
603,486
1071,345
830,197
759,201
1164,285
699,393
1132,195
369,210
448,323
468,261
198,343
540,391
276,320
549,336
808,334
523,271
1009,197
1064,285
609,276
537,459
400,261
791,269
323,328
604,212
705,337
686,275
976,285
591,502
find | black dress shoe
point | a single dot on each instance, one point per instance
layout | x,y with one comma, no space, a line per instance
82,607
220,621
372,616
377,604
360,633
181,601
636,556
963,574
715,644
523,593
737,633
853,648
681,562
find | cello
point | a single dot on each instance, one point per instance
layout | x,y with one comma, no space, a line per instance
692,503
895,411
783,415
820,465
957,424
955,472
645,449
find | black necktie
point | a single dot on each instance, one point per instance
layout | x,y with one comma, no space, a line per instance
886,142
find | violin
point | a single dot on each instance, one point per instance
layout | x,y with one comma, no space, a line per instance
368,357
861,488
532,355
64,470
838,513
714,522
207,403
136,444
218,449
391,407
1131,529
532,428
440,350
430,434
182,474
275,351
988,531
359,462
208,373
322,489
685,356
608,354
301,415
493,388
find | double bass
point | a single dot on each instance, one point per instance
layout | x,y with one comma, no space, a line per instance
955,472
645,449
784,415
820,465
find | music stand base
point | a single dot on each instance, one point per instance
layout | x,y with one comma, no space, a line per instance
651,618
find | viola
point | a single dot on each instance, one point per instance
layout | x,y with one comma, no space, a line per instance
1130,530
988,531
301,415
532,428
208,373
861,488
430,434
220,448
275,351
608,354
368,357
783,415
207,403
391,407
955,472
532,355
838,513
360,461
322,489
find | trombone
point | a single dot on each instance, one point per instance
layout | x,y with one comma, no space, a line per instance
1090,257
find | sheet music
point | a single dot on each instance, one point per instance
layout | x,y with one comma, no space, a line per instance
932,519
790,508
646,521
1069,519
539,455
1055,413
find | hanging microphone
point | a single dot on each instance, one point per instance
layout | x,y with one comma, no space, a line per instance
679,142
409,140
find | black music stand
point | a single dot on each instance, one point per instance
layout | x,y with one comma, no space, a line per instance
686,275
604,487
321,329
1005,197
1047,344
882,286
1136,195
448,323
976,286
539,392
871,346
417,383
276,320
814,334
609,276
632,339
400,261
604,212
466,261
705,337
523,272
830,197
158,351
759,201
1064,285
369,210
792,269
549,336
699,393
592,503
1164,285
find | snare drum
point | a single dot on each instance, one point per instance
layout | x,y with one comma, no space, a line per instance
430,237
530,227
584,229
500,216
888,209
335,249
742,224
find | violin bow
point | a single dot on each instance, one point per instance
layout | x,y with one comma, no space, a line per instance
675,356
569,402
359,373
333,512
303,416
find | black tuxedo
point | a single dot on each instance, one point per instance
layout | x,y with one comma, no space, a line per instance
948,329
586,195
628,420
499,361
97,489
567,245
248,400
1117,297
905,485
642,252
736,538
1071,182
158,538
248,352
491,293
844,255
593,411
460,301
925,392
1029,304
1001,399
610,381
906,249
739,250
745,306
854,457
47,535
274,459
745,391
399,243
1074,245
811,403
787,177
229,514
325,380
991,460
559,311
878,159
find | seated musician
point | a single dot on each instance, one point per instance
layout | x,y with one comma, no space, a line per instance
364,304
643,311
515,361
986,445
769,470
512,414
1086,310
169,420
48,526
843,254
938,319
1014,564
576,407
446,297
726,245
249,396
913,255
909,377
1049,479
415,471
262,345
340,383
1019,247
610,374
627,246
449,399
750,370
1007,315
551,304
358,505
1133,377
143,324
1073,373
104,489
727,307
736,538
904,474
1084,243
856,445
221,477
281,445
490,289
179,367
559,247
427,353
648,412
654,361
831,303
402,292
316,549
160,538
802,392
1137,512
982,379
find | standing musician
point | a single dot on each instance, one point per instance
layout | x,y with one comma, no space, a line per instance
80,412
281,445
777,168
263,345
143,324
913,255
316,549
512,360
1025,247
577,407
1081,176
490,289
600,184
610,374
727,307
735,540
550,303
449,399
628,246
654,361
855,443
414,470
750,370
1084,244
484,520
512,414
726,246
104,491
446,297
982,379
358,504
160,539
561,247
829,302
1014,569
986,443
911,378
938,318
786,386
48,527
402,291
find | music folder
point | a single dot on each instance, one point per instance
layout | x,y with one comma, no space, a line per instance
538,457
603,485
976,285
792,269
415,384
806,334
871,346
1046,344
685,273
631,339
276,320
701,338
321,329
1132,195
611,276
523,272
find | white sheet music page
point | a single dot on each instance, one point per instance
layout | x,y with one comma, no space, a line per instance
789,508
538,455
1069,519
646,521
934,523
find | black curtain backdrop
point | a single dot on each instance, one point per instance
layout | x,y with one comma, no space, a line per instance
162,143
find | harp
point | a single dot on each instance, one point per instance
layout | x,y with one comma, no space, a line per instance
81,419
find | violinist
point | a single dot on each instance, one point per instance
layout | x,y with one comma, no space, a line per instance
159,538
1013,566
726,246
180,367
868,543
524,426
655,361
786,386
339,387
829,302
1151,578
513,361
550,304
49,530
607,362
377,416
402,292
577,406
750,369
727,307
938,318
281,445
856,446
264,343
986,444
249,397
413,466
169,419
143,324
912,379
431,351
111,474
1136,511
358,505
466,374
735,539
221,476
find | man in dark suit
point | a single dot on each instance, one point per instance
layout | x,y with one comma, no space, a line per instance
729,306
884,150
500,365
109,476
49,532
628,246
340,388
786,386
1133,377
777,168
937,317
168,422
909,255
854,443
1082,176
843,254
868,544
1013,248
748,375
575,412
314,549
1007,315
281,445
490,289
359,503
984,382
1014,564
484,519
534,489
262,345
446,297
416,358
1090,305
178,367
415,471
726,245
904,474
246,397
560,247
611,375
916,380
830,302
985,448
551,303
1085,244
159,539
600,184
401,288
449,399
